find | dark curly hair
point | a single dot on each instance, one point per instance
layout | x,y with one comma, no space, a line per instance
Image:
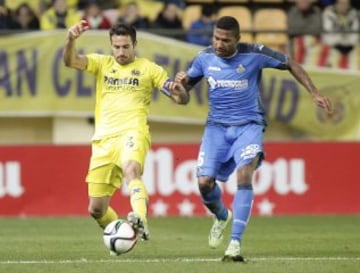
123,29
229,23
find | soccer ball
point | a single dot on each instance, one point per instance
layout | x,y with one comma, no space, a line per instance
119,236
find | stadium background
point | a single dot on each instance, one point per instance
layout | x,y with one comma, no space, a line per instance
46,127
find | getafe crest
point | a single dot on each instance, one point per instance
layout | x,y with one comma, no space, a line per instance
240,68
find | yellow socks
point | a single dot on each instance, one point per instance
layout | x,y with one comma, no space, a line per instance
138,198
108,217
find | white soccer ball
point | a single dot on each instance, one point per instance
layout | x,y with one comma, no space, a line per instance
119,236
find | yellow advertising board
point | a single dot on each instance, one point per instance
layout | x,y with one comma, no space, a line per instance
35,82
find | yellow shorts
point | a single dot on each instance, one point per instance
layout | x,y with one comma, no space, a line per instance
100,189
108,157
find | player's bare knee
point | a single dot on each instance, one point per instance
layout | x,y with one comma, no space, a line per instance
95,212
205,184
245,174
245,178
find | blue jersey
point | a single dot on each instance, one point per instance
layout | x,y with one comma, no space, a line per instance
234,82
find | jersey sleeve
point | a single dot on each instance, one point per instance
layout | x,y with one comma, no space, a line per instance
195,71
94,63
159,75
272,59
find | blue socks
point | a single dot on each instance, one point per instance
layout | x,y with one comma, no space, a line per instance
212,200
242,204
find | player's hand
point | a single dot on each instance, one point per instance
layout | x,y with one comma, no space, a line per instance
178,92
175,88
76,30
180,77
323,102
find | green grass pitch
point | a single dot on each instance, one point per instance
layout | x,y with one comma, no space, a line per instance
319,244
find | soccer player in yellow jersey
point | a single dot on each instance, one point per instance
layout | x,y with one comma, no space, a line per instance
124,86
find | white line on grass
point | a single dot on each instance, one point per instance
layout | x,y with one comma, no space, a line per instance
175,260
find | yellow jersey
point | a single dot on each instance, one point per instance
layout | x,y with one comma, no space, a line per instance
123,93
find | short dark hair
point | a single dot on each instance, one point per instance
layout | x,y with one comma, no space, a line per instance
229,23
123,29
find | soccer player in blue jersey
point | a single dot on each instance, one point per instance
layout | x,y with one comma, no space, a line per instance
233,135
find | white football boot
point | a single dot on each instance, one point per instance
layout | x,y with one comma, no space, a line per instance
216,233
232,253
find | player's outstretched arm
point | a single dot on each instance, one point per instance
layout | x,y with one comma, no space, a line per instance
182,78
303,77
177,92
71,57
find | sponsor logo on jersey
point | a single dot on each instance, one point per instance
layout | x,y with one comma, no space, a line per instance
118,84
121,81
214,68
235,84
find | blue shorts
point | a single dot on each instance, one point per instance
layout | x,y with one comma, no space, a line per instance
226,148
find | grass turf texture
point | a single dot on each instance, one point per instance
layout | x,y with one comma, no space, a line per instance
272,244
